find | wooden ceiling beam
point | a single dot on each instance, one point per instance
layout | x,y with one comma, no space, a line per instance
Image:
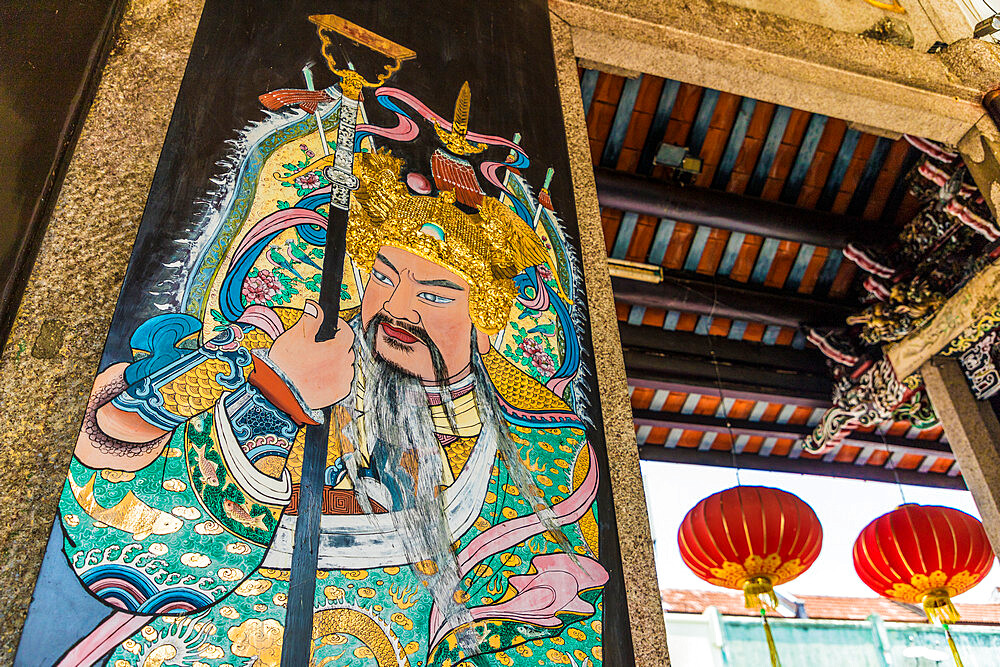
800,465
726,210
728,298
780,359
733,381
892,444
691,363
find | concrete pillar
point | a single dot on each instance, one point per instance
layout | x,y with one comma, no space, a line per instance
980,149
639,569
974,434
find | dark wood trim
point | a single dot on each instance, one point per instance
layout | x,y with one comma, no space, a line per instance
58,81
767,372
657,340
725,210
893,444
728,298
800,465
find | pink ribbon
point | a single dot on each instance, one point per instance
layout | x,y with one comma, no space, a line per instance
111,632
278,222
514,531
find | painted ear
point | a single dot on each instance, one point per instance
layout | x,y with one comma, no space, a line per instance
482,341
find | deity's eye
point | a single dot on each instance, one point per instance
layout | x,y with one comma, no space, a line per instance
430,297
381,277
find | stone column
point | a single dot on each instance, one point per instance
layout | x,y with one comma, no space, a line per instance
980,149
645,610
977,64
974,435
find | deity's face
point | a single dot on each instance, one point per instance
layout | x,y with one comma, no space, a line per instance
413,302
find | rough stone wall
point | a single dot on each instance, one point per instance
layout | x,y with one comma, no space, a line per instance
50,360
641,587
942,20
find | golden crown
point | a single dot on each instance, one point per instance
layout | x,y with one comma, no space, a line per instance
487,248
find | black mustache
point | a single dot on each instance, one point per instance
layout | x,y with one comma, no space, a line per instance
417,332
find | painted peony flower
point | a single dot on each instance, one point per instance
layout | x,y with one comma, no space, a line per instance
531,347
543,363
308,181
261,287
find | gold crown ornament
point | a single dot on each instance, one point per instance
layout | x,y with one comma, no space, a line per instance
487,248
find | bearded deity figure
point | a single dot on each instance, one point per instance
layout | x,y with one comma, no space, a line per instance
459,507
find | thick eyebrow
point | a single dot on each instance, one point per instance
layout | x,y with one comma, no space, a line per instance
440,283
380,257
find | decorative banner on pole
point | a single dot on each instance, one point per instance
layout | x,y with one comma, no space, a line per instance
346,413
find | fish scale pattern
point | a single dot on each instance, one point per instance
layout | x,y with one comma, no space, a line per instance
198,389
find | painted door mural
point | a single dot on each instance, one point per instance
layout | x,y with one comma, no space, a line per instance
465,508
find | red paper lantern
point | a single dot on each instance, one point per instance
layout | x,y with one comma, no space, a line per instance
923,554
750,538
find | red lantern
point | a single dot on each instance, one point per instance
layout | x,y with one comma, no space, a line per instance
750,538
923,554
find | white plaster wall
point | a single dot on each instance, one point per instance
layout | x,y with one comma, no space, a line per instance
693,639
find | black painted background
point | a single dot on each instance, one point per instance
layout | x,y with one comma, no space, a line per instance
243,49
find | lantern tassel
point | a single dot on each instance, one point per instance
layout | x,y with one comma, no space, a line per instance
772,649
938,607
758,593
954,649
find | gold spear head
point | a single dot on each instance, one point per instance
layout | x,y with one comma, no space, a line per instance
455,140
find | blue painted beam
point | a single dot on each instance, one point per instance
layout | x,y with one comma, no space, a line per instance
619,125
624,236
702,121
703,325
658,127
697,248
829,271
771,334
859,200
737,330
588,84
838,170
803,159
799,342
636,314
800,266
734,143
764,259
664,232
775,133
670,321
729,255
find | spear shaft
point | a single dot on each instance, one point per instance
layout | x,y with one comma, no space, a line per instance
297,644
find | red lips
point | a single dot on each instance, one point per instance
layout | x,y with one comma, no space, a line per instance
401,335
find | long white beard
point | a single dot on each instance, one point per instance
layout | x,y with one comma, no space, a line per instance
405,457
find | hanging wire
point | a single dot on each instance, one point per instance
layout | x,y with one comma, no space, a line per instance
718,385
895,470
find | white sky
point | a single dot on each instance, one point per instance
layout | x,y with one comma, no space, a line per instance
844,508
